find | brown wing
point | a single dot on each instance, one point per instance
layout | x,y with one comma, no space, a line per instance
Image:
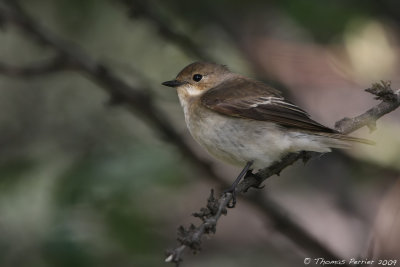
244,98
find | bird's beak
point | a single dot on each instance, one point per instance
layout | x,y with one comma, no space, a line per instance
173,83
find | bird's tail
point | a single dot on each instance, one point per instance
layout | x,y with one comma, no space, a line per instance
337,140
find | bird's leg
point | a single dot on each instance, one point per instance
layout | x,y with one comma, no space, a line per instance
232,188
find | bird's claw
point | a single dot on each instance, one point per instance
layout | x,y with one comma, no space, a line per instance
232,202
232,189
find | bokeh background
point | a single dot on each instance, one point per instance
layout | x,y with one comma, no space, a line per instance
83,183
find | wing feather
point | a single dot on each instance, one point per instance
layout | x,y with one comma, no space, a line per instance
245,98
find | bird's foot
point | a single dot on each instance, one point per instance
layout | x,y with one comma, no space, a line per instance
232,188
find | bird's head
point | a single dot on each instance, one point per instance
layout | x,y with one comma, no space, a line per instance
198,77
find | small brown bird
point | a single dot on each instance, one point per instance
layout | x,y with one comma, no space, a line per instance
245,122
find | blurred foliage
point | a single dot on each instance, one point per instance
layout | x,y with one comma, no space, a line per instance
85,184
325,19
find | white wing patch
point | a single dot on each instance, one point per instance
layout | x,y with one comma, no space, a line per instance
278,101
262,101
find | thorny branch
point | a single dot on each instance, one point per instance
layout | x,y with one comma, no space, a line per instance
73,58
382,91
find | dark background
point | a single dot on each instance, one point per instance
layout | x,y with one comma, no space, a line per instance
86,184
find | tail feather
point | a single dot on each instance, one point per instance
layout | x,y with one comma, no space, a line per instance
347,138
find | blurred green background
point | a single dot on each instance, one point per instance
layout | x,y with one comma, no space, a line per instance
86,184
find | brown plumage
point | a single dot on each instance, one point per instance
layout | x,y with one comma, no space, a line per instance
246,98
245,122
241,120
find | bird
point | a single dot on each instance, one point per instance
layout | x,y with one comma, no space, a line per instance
245,122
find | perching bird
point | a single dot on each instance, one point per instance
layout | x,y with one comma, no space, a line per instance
246,122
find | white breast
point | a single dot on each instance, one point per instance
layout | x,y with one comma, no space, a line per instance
237,141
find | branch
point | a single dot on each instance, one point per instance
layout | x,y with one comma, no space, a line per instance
55,64
210,215
382,91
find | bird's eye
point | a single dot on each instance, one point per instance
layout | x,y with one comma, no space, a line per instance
197,77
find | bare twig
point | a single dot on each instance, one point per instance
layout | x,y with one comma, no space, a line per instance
383,92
